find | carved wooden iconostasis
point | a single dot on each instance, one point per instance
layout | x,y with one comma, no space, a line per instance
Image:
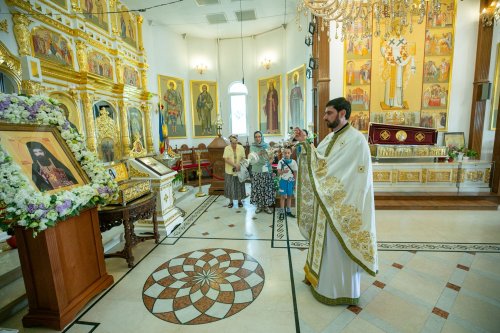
93,62
400,77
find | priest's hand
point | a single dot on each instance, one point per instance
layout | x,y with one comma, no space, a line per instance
300,135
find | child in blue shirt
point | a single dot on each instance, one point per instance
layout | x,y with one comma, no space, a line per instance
287,170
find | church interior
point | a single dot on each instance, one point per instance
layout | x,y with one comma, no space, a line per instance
115,118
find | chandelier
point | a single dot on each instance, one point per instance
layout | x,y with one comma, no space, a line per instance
354,16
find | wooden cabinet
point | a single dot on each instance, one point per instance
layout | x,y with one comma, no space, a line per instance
63,269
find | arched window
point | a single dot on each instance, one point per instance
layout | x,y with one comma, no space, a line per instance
238,102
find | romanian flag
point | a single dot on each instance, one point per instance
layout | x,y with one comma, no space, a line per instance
163,130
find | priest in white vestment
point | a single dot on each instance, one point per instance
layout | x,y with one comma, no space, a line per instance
336,210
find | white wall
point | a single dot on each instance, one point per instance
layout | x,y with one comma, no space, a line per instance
464,59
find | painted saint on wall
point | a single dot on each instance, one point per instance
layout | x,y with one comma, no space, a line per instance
269,105
51,46
131,77
100,64
95,11
295,80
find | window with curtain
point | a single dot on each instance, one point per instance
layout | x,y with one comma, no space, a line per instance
238,102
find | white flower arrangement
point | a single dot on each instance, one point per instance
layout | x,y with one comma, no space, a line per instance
23,205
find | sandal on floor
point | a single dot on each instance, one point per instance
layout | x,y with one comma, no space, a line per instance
240,204
230,205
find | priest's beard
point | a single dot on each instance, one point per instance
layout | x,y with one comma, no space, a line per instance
43,160
333,124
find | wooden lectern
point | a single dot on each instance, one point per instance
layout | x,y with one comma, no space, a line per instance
63,269
215,153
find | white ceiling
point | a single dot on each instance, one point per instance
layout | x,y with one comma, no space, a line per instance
187,17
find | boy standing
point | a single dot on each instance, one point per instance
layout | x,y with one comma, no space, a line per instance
287,170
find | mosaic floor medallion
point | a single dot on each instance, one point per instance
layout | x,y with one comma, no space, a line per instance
203,286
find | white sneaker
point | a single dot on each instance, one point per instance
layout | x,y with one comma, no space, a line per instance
268,210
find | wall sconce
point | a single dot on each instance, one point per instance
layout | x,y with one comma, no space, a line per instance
312,28
313,63
201,68
309,73
308,40
266,63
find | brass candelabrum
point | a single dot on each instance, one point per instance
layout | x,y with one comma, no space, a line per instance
199,173
183,187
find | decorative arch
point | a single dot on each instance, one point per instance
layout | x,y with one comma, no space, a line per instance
108,131
10,66
69,106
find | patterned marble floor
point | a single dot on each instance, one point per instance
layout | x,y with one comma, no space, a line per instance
230,270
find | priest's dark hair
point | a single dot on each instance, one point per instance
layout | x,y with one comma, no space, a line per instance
340,103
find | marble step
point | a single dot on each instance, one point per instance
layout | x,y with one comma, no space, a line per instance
10,267
12,290
12,299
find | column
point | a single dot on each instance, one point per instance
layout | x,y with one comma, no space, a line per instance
89,120
147,120
124,125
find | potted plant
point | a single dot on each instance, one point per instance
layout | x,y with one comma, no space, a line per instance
453,153
471,154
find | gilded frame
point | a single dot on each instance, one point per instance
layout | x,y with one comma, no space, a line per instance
496,92
454,139
14,139
301,84
196,88
163,84
264,89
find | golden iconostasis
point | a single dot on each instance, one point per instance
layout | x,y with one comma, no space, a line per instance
93,63
402,77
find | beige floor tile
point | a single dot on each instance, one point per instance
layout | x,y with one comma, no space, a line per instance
482,285
447,257
437,226
418,286
436,268
360,325
400,314
389,256
488,263
477,312
453,327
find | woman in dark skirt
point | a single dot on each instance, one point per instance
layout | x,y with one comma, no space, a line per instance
263,192
233,188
